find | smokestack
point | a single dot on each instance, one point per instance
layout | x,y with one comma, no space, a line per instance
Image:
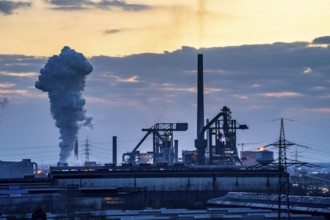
176,150
114,150
76,150
200,142
200,97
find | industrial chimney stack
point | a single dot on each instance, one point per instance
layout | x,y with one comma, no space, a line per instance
200,97
200,142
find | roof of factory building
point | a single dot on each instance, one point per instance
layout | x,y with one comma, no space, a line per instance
210,213
261,200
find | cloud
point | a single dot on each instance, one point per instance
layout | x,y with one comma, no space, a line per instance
113,31
322,40
20,63
319,88
67,5
212,90
110,4
191,89
69,2
8,7
241,96
18,74
91,99
257,82
308,70
6,85
281,94
27,74
171,87
22,92
267,75
132,79
255,85
319,110
325,96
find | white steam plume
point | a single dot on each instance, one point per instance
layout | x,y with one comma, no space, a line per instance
63,77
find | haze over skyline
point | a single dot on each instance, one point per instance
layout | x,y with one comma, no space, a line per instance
263,59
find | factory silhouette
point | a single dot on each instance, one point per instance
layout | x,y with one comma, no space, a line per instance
213,175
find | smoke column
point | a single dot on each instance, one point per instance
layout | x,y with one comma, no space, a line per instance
63,77
3,104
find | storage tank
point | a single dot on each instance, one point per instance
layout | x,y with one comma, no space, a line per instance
265,157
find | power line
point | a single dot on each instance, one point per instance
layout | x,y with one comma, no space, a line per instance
309,123
27,147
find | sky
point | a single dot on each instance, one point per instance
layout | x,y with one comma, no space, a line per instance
264,59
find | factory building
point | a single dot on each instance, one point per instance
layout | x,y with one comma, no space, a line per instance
11,169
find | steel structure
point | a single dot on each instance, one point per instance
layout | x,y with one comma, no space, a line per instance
200,142
221,138
163,147
284,186
87,150
282,165
221,130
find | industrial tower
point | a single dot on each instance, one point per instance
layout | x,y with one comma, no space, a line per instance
221,130
164,147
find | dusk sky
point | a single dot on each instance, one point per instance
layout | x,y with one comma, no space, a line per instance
264,59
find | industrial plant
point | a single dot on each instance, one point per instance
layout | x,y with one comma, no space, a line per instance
213,181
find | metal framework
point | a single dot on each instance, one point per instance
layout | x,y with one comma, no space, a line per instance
87,150
282,165
284,186
163,147
221,138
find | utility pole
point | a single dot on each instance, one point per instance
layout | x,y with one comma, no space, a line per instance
284,182
87,150
283,179
282,144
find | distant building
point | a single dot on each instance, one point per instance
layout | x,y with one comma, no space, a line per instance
11,169
251,158
90,163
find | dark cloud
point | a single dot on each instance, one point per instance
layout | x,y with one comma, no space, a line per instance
289,71
258,83
113,31
103,4
8,7
258,74
109,4
68,2
20,63
322,40
68,5
19,69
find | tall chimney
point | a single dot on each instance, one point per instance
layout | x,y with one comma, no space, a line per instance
176,150
200,97
200,142
114,150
